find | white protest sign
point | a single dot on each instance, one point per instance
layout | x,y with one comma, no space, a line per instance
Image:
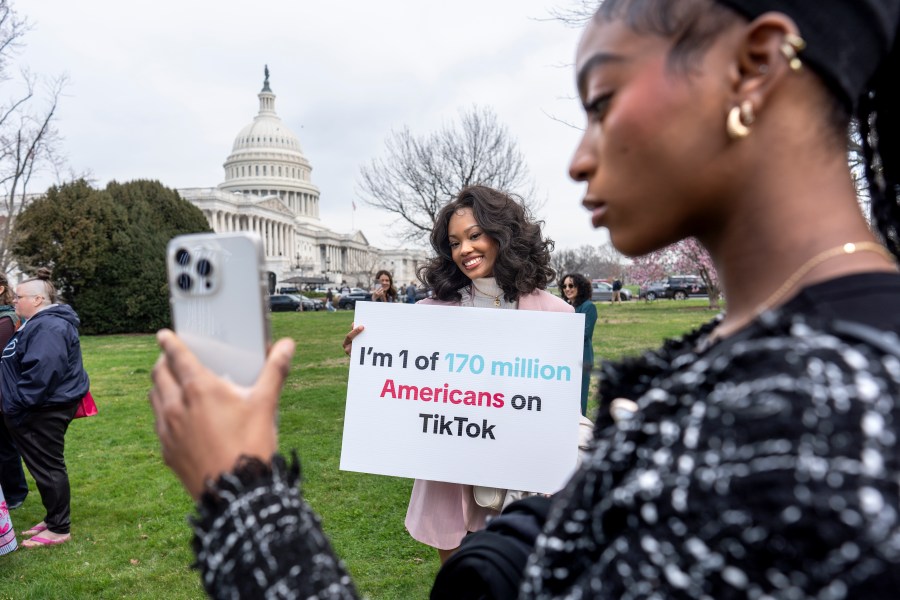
465,395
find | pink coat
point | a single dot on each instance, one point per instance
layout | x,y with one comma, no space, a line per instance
440,514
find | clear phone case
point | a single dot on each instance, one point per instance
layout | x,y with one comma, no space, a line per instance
218,295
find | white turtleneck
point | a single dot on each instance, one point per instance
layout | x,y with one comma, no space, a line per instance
482,294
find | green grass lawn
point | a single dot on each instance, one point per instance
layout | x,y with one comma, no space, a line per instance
129,527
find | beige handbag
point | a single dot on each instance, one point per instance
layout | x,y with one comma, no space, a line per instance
488,497
497,499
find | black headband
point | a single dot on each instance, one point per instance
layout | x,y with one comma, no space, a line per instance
846,40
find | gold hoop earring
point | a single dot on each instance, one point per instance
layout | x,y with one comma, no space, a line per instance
790,47
739,120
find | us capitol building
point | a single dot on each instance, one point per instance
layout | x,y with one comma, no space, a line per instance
268,189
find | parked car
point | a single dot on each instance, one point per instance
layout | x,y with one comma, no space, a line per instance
654,290
283,302
311,304
680,287
601,291
288,290
318,303
348,301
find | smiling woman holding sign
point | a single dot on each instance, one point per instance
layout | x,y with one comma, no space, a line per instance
490,254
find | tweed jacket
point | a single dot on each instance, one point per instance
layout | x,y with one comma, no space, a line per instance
764,466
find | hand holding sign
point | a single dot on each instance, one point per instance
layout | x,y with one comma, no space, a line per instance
348,340
501,411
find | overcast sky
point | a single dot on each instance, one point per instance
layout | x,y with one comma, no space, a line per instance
159,89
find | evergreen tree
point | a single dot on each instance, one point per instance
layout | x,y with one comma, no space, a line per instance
107,249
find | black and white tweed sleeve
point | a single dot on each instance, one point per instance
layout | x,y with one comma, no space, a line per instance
255,537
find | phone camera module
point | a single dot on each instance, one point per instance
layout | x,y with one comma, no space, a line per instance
194,269
184,282
204,268
182,257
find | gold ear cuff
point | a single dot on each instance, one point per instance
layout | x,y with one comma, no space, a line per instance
790,47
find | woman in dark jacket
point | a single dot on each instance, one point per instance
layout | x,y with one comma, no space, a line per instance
576,290
42,381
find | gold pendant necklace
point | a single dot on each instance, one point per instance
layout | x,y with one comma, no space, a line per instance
789,283
496,298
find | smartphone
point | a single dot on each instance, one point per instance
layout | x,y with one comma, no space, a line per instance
218,295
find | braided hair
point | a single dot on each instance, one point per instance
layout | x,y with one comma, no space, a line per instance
879,126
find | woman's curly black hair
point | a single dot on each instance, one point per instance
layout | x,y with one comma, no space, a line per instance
581,284
523,254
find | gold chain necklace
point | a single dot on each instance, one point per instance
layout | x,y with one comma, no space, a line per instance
789,283
496,298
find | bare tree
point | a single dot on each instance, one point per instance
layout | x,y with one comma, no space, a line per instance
575,13
566,260
594,262
364,274
419,174
27,136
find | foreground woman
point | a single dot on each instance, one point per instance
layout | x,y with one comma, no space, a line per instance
762,460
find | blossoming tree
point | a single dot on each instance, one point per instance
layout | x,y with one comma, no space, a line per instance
686,257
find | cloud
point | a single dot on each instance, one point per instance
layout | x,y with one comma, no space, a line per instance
159,89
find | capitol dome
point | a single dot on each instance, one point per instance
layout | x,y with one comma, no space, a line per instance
267,191
266,160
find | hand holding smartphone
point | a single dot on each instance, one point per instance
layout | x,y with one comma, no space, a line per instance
218,293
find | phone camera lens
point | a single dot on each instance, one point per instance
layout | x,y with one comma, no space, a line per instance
204,267
184,282
182,257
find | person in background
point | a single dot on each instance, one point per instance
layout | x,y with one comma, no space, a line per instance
384,287
12,475
42,381
616,291
576,290
329,300
754,457
411,293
